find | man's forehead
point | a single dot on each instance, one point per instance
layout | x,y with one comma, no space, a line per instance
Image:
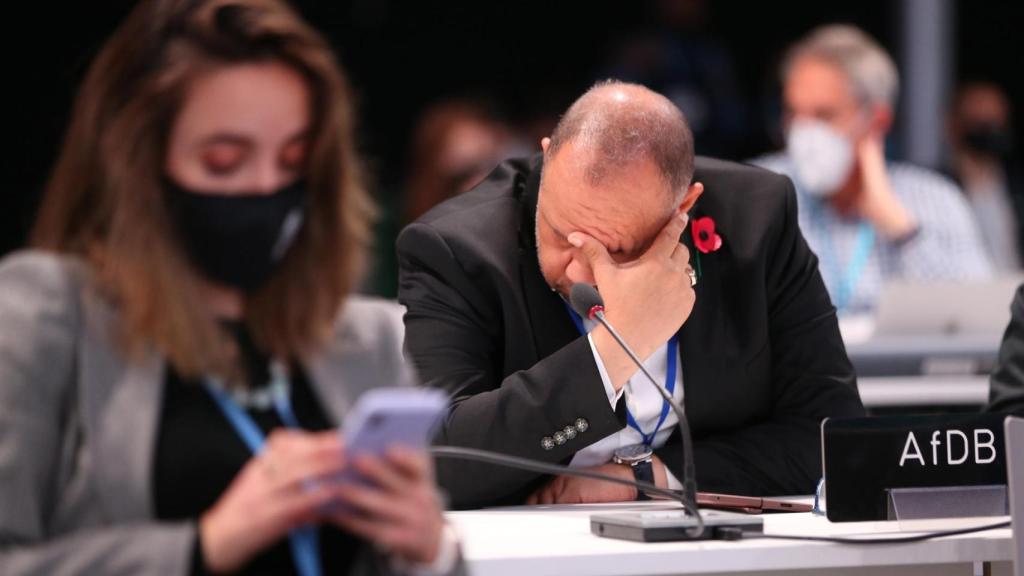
619,221
816,80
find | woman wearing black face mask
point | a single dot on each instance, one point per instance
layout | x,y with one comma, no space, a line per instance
186,308
982,154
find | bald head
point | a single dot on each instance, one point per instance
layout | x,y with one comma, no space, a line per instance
617,124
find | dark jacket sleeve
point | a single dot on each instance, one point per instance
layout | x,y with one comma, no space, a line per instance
1007,382
455,339
811,377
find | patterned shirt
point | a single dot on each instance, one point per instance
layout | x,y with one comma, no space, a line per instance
855,261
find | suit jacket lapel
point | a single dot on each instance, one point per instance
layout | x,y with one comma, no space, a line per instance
335,376
348,366
550,322
699,361
119,403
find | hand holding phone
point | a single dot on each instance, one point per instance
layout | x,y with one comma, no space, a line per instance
386,417
387,496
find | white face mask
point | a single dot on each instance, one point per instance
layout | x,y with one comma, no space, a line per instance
823,156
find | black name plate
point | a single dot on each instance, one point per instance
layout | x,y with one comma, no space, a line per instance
866,457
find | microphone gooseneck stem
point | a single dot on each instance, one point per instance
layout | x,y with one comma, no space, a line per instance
689,481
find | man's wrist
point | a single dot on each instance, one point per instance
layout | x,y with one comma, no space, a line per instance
613,394
660,472
616,362
887,214
640,461
906,237
661,478
897,224
619,366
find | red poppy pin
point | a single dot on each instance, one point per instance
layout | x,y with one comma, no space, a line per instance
704,237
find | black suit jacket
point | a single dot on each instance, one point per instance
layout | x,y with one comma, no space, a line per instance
762,359
1007,382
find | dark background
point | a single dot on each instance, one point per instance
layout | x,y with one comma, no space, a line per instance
529,58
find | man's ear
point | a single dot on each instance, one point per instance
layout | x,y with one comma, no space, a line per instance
544,143
881,120
690,198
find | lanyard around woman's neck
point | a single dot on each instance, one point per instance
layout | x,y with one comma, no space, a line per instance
304,541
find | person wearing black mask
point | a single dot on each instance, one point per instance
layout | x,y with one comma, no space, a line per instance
982,151
177,350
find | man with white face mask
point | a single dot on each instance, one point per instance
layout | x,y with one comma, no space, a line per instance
868,220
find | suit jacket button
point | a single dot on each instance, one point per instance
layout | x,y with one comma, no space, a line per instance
570,432
582,424
547,443
560,438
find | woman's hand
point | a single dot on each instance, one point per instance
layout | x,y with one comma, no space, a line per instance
398,508
274,493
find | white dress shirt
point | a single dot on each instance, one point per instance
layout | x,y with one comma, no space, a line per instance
644,403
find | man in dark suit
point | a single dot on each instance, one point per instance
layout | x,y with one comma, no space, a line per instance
743,334
1007,381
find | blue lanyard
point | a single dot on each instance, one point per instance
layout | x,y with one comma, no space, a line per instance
845,284
304,541
670,382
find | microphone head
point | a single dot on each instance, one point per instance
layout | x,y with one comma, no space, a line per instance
585,299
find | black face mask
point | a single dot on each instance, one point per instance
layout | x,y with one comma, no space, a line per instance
989,140
236,240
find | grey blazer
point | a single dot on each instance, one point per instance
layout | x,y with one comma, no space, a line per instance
78,423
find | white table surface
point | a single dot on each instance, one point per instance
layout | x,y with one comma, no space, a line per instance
556,540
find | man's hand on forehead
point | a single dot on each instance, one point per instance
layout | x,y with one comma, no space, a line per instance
649,298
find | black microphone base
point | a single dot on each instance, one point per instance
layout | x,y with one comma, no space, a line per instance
674,525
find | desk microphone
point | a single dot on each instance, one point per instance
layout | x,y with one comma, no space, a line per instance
588,303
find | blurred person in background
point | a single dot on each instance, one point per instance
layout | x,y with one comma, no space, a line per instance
868,219
177,352
455,144
981,138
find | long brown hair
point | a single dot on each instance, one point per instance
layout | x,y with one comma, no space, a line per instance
105,201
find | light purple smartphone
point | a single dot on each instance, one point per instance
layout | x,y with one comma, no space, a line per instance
386,417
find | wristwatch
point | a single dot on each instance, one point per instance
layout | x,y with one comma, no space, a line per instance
640,458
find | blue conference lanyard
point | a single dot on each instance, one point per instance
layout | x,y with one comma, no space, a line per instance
670,382
304,540
846,283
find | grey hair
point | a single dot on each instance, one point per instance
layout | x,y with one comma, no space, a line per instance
642,124
868,67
